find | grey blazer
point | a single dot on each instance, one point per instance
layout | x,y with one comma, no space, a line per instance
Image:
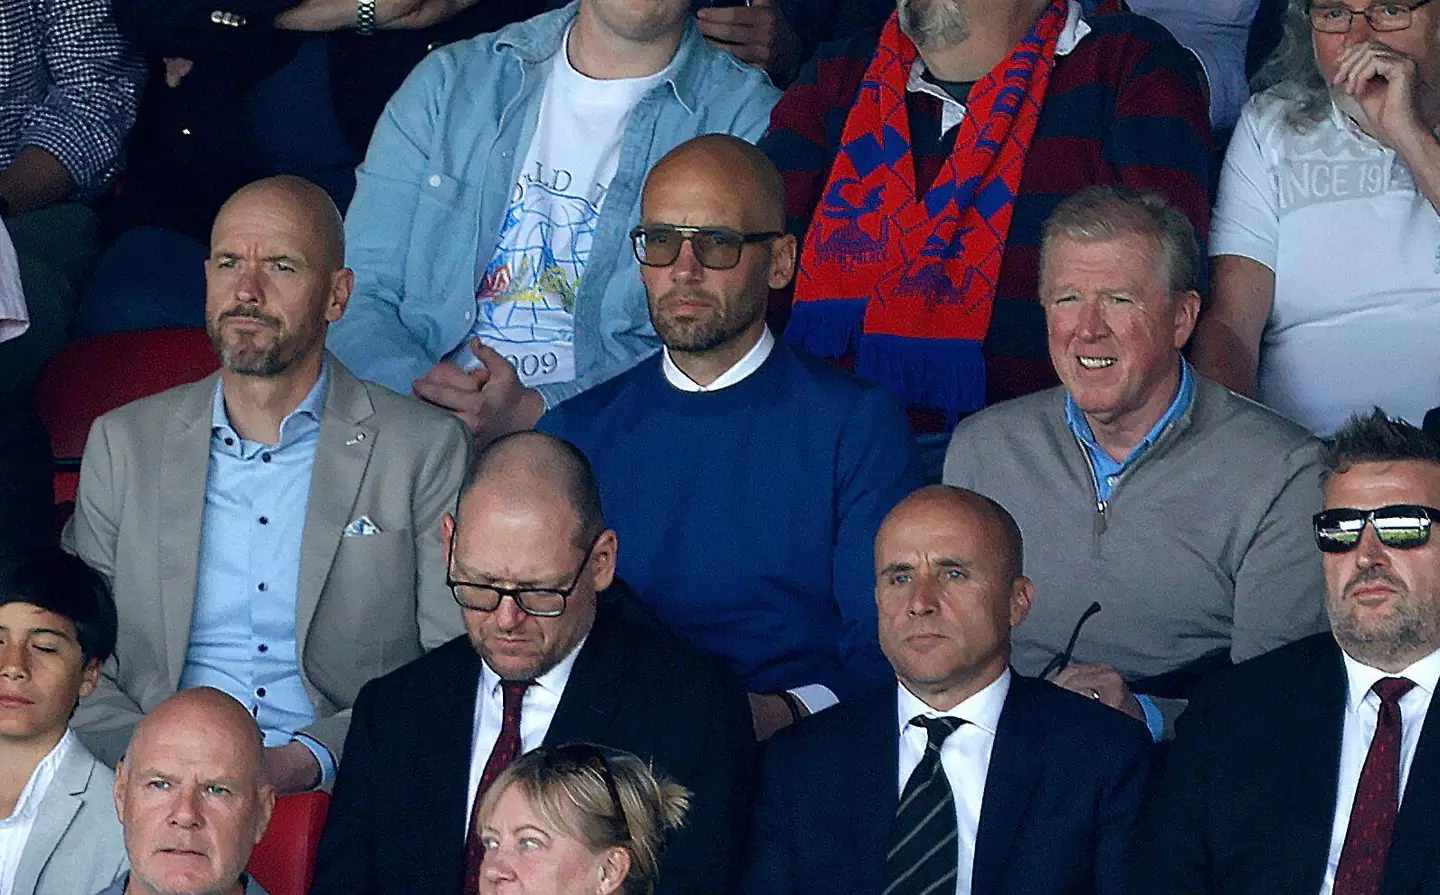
366,604
76,844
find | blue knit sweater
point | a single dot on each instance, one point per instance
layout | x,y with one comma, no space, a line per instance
747,516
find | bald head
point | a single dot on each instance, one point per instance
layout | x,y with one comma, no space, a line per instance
307,202
209,709
192,796
538,469
728,164
997,526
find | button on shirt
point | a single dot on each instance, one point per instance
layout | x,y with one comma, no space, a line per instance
964,756
1362,713
536,713
242,633
15,829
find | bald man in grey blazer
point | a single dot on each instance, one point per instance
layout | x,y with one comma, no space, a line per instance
272,531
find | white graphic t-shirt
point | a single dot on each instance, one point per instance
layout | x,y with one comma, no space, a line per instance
525,304
1355,247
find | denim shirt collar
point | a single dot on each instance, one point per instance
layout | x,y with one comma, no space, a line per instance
540,38
307,415
1184,397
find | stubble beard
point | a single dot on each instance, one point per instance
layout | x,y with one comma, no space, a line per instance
933,24
1404,634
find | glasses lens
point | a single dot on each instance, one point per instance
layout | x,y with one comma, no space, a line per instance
1402,527
541,602
1338,530
1330,19
473,596
718,249
1388,17
657,246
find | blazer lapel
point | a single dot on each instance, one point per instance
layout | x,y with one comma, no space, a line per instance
1014,771
57,812
875,792
185,457
592,695
1309,777
1412,858
340,461
443,749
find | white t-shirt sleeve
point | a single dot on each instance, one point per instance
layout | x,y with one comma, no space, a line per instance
14,315
1246,221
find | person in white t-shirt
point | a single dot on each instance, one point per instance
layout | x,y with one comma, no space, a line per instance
488,229
1325,239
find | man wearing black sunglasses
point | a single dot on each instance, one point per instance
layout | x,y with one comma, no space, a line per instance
546,660
1316,768
746,479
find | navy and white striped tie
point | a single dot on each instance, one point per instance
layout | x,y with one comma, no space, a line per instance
924,856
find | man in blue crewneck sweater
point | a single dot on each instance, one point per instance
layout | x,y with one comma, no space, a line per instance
746,480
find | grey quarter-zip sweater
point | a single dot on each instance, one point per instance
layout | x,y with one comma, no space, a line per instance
1203,549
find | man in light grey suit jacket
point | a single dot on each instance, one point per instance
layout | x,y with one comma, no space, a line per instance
57,627
271,531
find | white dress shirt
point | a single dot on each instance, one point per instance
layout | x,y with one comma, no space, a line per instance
964,756
733,376
15,829
542,698
14,315
1362,714
815,697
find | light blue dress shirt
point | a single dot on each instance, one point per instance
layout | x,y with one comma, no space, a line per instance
242,632
1108,471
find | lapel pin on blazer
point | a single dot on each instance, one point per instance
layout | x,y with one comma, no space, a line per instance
359,437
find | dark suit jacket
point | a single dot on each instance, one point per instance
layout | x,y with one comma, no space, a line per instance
397,823
1247,799
1058,815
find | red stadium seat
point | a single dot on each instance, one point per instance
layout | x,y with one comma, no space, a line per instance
96,375
284,861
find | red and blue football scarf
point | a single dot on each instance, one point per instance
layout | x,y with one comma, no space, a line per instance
907,281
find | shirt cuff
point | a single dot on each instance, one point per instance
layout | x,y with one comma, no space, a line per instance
815,697
1154,720
328,765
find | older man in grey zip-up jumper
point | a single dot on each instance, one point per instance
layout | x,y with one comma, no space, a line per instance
1178,506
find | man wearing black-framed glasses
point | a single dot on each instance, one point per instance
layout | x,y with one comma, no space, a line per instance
1325,750
546,660
747,479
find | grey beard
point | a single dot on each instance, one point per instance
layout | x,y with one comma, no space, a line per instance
933,24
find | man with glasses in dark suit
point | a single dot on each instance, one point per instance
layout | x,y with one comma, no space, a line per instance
1316,768
546,660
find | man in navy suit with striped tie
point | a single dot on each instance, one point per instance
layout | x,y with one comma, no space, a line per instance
967,778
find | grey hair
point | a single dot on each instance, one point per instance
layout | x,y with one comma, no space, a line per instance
1293,74
1104,213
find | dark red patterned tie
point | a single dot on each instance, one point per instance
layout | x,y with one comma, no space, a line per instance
1377,799
507,749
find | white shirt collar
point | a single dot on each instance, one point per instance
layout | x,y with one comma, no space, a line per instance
981,710
733,376
40,779
1361,677
552,681
952,111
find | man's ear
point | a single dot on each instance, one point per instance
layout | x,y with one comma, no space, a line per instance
1022,598
782,261
1187,312
602,559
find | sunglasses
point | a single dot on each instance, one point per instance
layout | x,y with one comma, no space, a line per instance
1400,526
716,248
1062,660
576,756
